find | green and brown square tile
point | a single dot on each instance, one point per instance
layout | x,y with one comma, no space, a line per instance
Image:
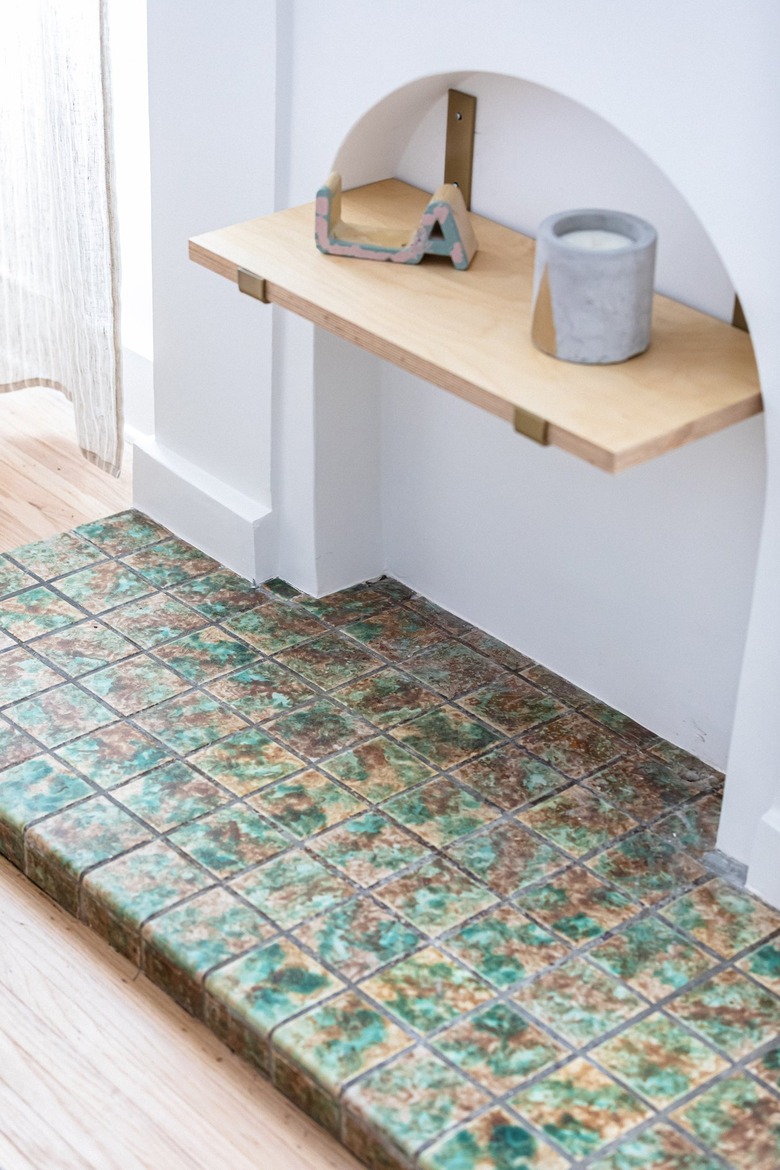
499,1048
427,990
577,905
56,555
395,632
33,789
15,745
505,947
723,918
319,729
616,721
188,723
154,619
246,761
389,587
641,785
693,828
659,1148
59,715
768,1067
652,958
493,1141
276,587
434,613
436,897
510,777
202,655
22,675
388,698
647,867
170,796
368,848
513,705
357,938
738,1120
577,821
261,691
219,595
440,811
134,684
36,611
764,965
275,626
574,745
359,601
103,586
122,532
579,1002
687,767
491,647
446,737
452,668
229,840
87,646
292,887
561,688
659,1059
329,661
378,769
307,804
730,1011
170,563
113,755
507,857
12,578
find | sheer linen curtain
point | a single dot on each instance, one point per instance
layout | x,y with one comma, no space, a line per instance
59,263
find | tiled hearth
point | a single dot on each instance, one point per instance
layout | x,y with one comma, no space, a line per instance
458,910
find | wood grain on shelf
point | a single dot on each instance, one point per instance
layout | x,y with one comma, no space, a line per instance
469,332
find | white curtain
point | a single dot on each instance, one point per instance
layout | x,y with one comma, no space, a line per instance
59,269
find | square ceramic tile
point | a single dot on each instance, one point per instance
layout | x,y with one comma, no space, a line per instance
688,768
445,737
434,613
768,1067
507,857
87,646
358,937
368,848
498,1047
36,611
123,532
206,653
579,1002
388,698
693,828
57,555
188,723
764,965
329,661
60,715
170,563
154,619
276,587
652,958
577,821
427,990
490,1142
616,721
292,887
12,578
730,1011
378,769
395,632
659,1148
452,668
389,587
103,586
505,947
360,601
513,705
491,647
22,675
723,918
319,729
440,811
659,1059
229,840
580,1108
574,745
114,754
246,761
647,867
261,691
436,897
738,1120
306,804
31,790
510,777
170,795
275,626
577,905
219,595
134,684
15,745
548,681
6,641
642,786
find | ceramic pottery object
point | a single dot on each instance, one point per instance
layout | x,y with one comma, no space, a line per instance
593,286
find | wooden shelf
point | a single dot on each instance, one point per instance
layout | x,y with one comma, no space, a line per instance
469,332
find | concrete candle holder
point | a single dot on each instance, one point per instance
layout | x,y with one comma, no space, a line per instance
593,286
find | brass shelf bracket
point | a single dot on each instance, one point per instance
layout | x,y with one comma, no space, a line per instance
459,149
532,426
253,286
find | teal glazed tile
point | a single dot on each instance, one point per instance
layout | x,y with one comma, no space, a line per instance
688,768
292,887
427,990
730,1011
329,661
507,857
580,1108
693,828
154,619
378,769
170,795
577,821
12,578
118,897
15,745
574,745
122,533
641,785
391,588
436,897
229,840
103,586
504,655
306,804
579,1002
409,1101
170,563
652,958
33,789
548,681
188,723
275,626
440,811
616,721
659,1148
347,605
647,867
219,595
505,947
738,1120
510,777
357,938
60,715
452,668
764,965
246,761
513,705
768,1067
659,1059
368,848
134,684
434,613
499,1048
113,755
723,918
56,555
493,1141
388,698
88,646
446,737
261,691
182,945
206,653
577,905
36,611
59,849
279,588
395,632
22,675
319,729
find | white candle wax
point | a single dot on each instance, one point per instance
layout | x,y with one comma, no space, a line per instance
595,240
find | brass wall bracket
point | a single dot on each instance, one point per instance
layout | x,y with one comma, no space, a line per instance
253,286
459,149
532,426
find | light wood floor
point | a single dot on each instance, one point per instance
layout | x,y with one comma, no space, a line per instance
98,1069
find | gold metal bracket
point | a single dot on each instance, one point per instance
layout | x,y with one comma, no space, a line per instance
738,319
532,426
253,286
459,149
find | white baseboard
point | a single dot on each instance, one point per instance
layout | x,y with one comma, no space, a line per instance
235,529
764,870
